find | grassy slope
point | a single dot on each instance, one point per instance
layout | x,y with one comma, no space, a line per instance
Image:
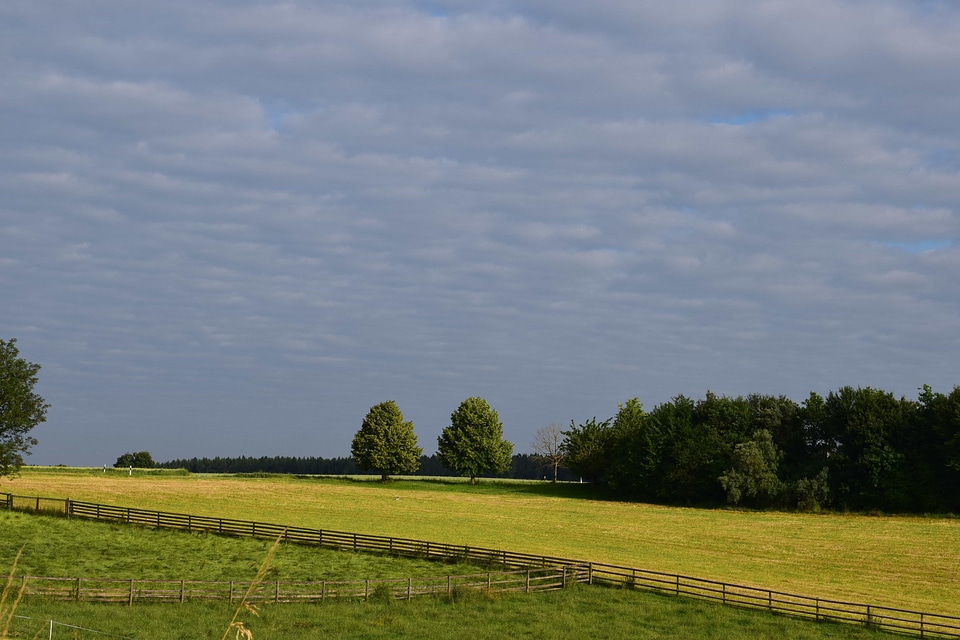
57,547
572,614
895,561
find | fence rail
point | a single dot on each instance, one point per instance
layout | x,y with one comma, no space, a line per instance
129,592
922,624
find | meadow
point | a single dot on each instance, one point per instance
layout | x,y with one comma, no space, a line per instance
576,613
908,562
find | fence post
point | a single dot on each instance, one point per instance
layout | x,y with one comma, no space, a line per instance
817,611
449,587
231,592
276,596
366,589
130,600
678,584
528,580
590,573
182,591
921,625
323,590
770,600
409,587
724,597
68,507
78,589
38,504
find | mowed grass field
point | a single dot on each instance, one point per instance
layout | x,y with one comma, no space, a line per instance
907,562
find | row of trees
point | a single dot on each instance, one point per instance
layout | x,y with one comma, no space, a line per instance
522,465
858,449
472,445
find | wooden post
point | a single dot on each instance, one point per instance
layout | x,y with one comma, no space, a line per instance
182,591
678,584
323,590
449,587
276,597
770,600
366,589
231,592
724,597
528,580
921,626
817,611
78,589
68,507
130,601
409,588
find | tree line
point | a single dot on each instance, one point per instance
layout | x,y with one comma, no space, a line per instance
522,466
856,449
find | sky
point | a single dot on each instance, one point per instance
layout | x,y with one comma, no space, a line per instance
230,228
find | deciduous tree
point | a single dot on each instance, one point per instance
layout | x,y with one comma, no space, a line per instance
21,409
547,443
137,460
386,443
473,443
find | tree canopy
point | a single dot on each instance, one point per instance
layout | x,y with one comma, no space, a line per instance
386,443
137,460
473,443
21,409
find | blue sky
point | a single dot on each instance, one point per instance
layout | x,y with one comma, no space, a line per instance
230,228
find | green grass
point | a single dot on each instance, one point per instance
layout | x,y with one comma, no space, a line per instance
57,547
907,562
583,612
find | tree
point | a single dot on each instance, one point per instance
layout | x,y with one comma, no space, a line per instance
587,448
754,472
20,408
138,460
386,443
473,443
546,446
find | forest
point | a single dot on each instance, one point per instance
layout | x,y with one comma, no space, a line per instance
857,449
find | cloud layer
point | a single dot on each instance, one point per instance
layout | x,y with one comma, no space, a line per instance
231,228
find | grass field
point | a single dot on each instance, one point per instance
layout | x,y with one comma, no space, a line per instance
585,612
57,547
907,562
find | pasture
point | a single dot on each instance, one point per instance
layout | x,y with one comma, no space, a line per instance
907,562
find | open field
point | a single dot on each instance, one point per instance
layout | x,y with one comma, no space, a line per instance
905,562
56,547
593,612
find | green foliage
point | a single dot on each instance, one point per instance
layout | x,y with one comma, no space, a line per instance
473,443
20,408
137,460
386,443
587,449
813,494
753,476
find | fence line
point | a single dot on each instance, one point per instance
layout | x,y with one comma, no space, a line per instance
922,624
119,591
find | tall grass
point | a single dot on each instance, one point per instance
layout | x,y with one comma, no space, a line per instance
7,609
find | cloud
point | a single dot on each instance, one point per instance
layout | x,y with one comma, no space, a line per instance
264,218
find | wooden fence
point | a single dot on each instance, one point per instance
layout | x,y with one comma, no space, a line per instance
922,624
138,591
